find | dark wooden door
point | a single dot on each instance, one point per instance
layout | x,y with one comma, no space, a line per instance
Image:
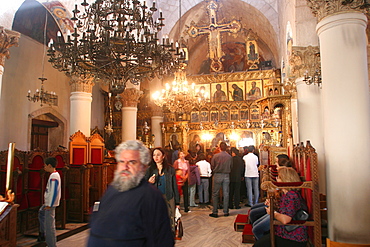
39,133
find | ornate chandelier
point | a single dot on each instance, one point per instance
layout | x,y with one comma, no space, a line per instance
114,41
180,97
43,96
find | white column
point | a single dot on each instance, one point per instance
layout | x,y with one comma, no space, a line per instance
310,123
1,78
129,123
80,112
295,124
157,130
346,118
129,113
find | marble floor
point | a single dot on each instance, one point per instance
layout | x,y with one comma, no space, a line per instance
199,230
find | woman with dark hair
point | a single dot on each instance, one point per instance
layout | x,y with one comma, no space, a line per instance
163,176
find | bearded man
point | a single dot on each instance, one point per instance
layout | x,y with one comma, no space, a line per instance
132,212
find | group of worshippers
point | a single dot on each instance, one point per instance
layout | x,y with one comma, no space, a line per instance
138,208
228,173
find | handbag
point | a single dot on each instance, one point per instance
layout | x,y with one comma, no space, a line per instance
299,215
179,231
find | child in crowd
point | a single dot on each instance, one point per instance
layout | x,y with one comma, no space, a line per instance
179,180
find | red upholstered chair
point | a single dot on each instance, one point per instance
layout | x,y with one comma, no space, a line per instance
78,178
96,149
98,178
78,149
308,167
35,179
18,177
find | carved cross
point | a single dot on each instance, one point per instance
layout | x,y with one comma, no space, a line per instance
214,31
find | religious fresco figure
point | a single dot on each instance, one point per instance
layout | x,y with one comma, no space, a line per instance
219,95
252,52
237,93
255,92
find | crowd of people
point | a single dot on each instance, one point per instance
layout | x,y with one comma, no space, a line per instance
226,174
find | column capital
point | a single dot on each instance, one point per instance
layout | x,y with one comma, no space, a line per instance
80,84
8,38
156,110
131,96
304,60
324,8
290,87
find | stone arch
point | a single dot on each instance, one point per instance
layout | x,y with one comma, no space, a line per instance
59,135
258,17
170,10
30,17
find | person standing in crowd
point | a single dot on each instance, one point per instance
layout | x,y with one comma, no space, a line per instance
205,174
163,176
175,154
51,201
131,212
183,164
194,180
290,202
251,176
236,177
221,167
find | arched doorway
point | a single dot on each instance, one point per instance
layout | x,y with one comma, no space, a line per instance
47,130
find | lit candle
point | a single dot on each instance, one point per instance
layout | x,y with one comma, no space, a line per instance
9,168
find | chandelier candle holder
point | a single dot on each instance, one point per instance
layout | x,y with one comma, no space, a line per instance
315,79
180,97
316,73
43,96
114,41
109,127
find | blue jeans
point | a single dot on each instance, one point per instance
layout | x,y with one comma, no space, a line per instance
47,225
252,184
257,211
261,226
192,189
220,179
203,188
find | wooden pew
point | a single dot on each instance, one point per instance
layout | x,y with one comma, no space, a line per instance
78,179
8,223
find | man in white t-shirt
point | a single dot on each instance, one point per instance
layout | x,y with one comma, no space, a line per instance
205,174
251,176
